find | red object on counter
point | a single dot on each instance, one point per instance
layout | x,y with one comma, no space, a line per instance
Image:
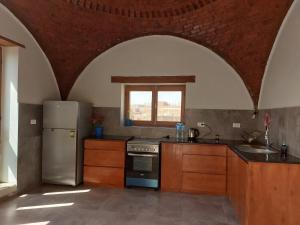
267,120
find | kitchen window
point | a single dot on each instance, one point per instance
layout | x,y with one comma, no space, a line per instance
154,105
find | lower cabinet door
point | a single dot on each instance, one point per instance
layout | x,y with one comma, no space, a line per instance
204,183
204,164
104,176
104,158
171,158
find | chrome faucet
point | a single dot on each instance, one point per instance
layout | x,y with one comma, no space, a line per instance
267,123
267,137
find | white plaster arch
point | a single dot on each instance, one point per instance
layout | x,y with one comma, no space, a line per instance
218,85
280,84
37,81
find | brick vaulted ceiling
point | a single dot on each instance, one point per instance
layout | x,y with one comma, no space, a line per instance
74,32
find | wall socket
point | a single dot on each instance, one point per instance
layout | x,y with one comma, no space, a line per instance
33,121
236,125
201,124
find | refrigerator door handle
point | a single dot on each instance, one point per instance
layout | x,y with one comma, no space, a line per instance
72,133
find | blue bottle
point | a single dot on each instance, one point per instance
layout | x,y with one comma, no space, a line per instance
99,132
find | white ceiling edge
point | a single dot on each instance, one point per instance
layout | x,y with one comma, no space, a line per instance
36,43
272,53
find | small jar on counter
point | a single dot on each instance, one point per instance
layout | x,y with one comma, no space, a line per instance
284,150
217,139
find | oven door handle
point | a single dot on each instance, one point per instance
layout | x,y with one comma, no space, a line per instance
142,155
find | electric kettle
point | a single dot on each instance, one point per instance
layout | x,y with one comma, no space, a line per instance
193,133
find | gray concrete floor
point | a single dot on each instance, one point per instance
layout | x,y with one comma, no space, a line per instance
105,206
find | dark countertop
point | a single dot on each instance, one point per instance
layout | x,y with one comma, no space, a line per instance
271,158
201,141
112,137
232,144
248,157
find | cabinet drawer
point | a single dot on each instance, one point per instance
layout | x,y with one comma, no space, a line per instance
200,149
204,164
104,176
204,183
105,145
104,158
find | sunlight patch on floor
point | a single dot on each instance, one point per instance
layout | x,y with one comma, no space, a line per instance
45,206
23,196
67,192
37,223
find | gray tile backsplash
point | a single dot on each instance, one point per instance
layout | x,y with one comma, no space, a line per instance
220,122
30,147
285,127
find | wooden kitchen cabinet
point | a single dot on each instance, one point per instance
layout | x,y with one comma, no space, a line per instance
237,179
105,176
204,149
204,164
171,174
111,145
204,169
194,168
294,194
268,197
104,162
264,193
204,183
104,158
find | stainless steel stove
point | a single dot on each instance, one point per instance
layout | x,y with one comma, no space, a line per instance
143,163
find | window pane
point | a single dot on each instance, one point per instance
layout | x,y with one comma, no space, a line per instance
169,106
140,105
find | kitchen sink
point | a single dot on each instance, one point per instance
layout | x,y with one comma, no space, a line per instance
256,149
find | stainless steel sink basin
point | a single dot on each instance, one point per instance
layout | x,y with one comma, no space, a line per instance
256,149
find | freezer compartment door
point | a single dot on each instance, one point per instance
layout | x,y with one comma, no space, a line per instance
60,114
59,165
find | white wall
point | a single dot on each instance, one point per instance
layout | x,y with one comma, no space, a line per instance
281,84
27,78
217,85
9,115
36,78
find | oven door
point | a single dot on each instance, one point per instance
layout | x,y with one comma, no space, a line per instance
142,169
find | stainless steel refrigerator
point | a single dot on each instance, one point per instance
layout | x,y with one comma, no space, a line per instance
65,125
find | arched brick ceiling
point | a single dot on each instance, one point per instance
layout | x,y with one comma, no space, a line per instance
74,32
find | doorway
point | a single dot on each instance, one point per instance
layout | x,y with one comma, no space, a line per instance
9,119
